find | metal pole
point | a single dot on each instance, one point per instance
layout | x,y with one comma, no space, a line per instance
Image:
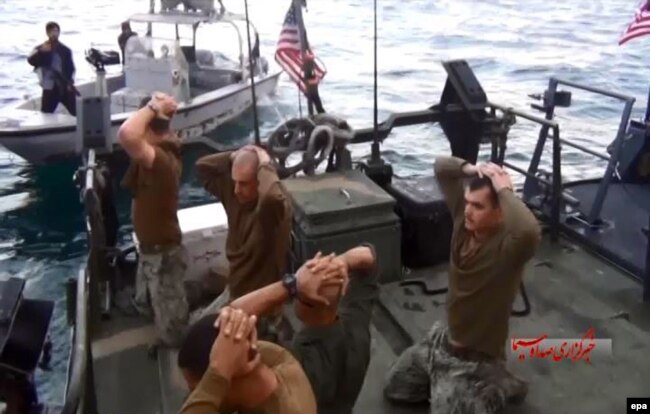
152,9
557,185
258,141
597,206
375,154
646,273
297,8
647,108
549,102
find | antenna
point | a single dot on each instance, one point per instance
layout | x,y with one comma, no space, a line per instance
250,74
375,155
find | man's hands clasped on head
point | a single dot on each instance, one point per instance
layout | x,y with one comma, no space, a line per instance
262,156
234,353
163,105
498,175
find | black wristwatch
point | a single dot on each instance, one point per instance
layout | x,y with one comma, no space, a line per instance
290,283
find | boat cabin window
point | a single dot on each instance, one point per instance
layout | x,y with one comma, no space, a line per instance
217,46
154,64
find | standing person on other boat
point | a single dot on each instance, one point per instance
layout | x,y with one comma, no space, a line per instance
259,223
333,347
235,372
494,236
54,61
153,178
124,37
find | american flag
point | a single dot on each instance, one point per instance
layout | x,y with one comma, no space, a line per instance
288,53
641,24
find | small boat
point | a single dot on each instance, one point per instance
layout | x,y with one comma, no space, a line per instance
210,88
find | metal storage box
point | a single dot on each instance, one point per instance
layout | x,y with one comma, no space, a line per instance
205,230
427,225
337,211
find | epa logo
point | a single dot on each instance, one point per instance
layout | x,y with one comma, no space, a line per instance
637,407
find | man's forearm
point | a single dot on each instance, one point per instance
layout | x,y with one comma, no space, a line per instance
450,168
262,301
212,166
359,258
449,173
135,127
268,183
517,216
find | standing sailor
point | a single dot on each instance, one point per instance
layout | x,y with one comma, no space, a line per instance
153,178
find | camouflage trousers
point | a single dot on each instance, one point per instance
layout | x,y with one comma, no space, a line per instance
427,371
268,327
160,275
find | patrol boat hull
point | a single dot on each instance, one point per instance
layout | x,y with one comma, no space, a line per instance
41,138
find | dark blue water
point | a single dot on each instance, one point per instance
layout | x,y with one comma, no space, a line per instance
513,46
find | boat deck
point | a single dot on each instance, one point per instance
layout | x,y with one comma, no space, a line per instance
570,291
623,233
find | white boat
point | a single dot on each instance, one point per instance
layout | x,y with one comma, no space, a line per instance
210,88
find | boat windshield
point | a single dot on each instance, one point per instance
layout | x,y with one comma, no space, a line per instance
217,45
151,47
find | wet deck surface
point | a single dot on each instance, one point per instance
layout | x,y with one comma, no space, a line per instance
570,292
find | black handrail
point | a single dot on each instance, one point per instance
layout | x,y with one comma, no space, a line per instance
80,393
549,107
556,175
80,396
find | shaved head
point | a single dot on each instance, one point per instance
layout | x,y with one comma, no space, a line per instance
244,175
245,160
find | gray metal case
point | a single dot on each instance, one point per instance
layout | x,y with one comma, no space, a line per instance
337,211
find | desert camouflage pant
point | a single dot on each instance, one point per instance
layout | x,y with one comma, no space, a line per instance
268,327
427,371
161,276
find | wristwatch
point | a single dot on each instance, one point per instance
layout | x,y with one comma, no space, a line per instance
290,283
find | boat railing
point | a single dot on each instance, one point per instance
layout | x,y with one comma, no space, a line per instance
555,183
436,114
554,98
80,396
80,390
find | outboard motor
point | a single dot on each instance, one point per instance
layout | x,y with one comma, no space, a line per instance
24,324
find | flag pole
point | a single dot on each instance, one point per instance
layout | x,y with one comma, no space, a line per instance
307,69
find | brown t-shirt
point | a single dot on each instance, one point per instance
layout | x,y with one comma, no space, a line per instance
483,281
155,195
293,394
258,235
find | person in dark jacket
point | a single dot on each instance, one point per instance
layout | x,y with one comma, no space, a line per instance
54,60
123,37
